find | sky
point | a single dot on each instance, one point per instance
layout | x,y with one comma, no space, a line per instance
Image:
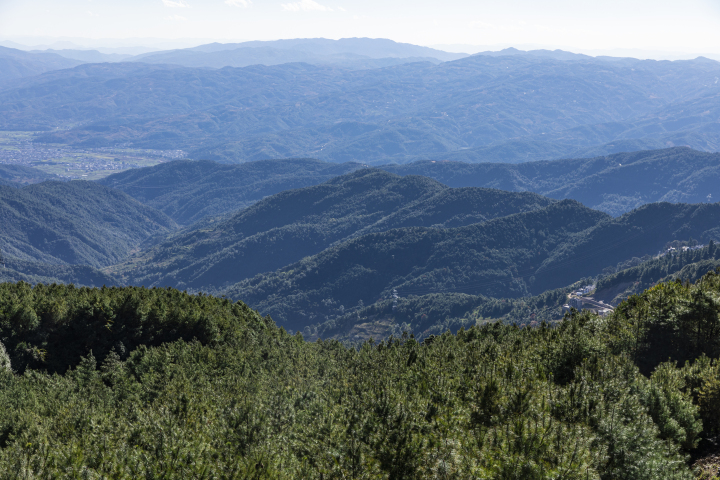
691,26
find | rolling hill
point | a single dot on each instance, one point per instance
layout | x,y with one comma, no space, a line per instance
614,184
518,255
19,175
288,226
188,191
77,222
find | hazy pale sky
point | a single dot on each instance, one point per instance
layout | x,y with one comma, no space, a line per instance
687,25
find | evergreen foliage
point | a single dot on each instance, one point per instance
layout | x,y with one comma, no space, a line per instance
223,393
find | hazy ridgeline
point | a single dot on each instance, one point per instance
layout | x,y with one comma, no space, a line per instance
506,106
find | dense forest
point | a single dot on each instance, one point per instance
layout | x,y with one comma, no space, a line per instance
128,382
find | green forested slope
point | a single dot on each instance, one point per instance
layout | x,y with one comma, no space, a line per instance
524,254
614,184
286,227
643,231
75,223
492,258
587,399
437,312
189,191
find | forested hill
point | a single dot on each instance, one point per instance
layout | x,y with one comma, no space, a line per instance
614,184
286,227
481,258
19,175
15,270
435,313
188,191
521,254
75,223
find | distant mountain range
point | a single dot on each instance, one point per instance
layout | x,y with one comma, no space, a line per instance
614,184
16,64
513,107
360,53
385,177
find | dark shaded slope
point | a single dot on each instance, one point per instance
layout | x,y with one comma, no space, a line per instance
635,234
686,266
286,227
188,191
512,256
482,258
614,183
75,223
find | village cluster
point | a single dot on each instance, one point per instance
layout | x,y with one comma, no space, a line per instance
73,163
580,300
